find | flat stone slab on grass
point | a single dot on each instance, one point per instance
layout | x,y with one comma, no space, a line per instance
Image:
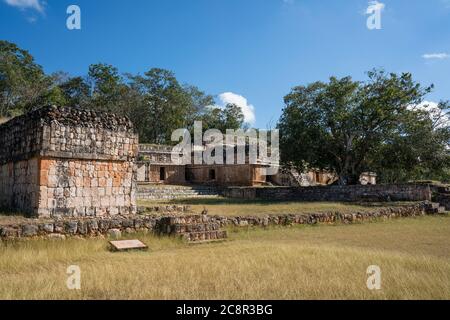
125,245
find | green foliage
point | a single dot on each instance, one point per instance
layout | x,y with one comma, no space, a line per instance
230,117
155,101
350,127
164,105
23,83
76,91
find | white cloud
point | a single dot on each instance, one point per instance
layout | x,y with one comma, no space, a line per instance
439,116
439,56
232,98
27,4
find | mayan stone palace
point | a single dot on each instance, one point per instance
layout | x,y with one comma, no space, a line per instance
65,161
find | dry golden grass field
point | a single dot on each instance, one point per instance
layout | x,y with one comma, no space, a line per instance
304,262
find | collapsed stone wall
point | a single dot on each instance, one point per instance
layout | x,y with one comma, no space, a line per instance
191,226
68,161
367,193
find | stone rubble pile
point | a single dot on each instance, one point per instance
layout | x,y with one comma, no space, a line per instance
192,228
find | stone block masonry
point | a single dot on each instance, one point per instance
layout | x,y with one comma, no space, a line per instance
361,193
194,228
60,161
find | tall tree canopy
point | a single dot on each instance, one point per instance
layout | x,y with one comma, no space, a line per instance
23,83
155,101
350,127
165,104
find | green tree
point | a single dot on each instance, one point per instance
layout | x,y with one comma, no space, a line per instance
420,152
156,102
23,83
76,91
108,90
164,105
349,127
231,117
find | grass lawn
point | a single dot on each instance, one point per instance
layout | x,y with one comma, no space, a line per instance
244,207
303,262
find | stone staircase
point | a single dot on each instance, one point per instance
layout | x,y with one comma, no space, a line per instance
195,228
432,208
441,195
164,192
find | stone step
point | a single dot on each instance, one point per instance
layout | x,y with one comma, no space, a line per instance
445,190
189,228
435,205
193,228
183,220
205,236
439,210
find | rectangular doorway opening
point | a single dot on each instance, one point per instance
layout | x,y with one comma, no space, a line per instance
212,174
162,174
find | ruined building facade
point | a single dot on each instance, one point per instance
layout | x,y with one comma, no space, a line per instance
155,166
68,162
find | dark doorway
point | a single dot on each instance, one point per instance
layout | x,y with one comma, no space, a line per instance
212,174
317,177
162,174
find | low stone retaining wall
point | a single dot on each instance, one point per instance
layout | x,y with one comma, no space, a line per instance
374,193
164,209
327,217
167,192
193,227
79,227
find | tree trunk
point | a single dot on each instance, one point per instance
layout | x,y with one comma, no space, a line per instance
348,178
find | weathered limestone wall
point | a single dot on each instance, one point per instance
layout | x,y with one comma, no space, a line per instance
170,174
395,192
227,175
19,185
155,166
71,187
66,161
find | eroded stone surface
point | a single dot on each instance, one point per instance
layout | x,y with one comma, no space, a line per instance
59,161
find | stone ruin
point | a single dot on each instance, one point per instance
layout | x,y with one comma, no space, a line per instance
61,161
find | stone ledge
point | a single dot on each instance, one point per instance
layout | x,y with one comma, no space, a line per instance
193,225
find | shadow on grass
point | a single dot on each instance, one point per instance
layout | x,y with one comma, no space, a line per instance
7,212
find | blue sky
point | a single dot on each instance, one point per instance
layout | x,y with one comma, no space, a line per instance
253,50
